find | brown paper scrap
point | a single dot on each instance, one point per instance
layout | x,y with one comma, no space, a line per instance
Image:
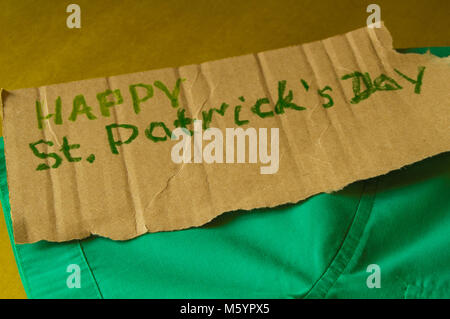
94,156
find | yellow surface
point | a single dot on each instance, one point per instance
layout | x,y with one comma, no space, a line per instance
126,36
10,285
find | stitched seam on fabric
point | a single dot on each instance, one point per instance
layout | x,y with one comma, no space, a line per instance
22,272
18,258
346,250
83,255
24,278
357,240
16,252
316,283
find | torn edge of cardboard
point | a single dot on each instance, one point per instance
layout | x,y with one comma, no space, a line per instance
166,208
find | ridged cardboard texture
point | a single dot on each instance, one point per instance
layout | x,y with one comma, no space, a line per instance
95,156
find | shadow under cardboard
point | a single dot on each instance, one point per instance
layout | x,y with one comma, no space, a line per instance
429,168
434,167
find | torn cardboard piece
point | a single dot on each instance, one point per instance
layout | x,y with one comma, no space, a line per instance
94,156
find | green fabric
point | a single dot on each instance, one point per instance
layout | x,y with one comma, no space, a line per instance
319,248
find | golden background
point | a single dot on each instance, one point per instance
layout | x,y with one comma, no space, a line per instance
117,36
